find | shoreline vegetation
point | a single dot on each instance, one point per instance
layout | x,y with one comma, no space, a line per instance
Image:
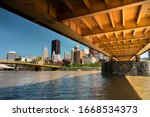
72,67
83,67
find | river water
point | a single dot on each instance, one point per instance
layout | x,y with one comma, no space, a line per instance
68,85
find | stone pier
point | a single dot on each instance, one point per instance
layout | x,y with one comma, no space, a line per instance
132,68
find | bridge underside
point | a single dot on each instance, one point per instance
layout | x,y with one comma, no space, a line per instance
119,28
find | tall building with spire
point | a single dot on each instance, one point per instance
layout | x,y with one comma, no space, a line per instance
55,47
45,53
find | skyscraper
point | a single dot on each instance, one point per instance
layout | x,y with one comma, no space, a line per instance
11,55
76,55
77,47
45,53
55,47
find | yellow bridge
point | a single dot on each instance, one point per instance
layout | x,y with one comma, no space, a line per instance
28,64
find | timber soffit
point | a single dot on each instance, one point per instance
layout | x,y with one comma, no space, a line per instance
95,23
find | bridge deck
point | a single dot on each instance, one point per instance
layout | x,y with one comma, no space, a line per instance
29,64
119,28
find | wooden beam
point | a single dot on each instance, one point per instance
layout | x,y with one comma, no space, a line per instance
127,39
134,32
146,30
117,30
108,10
91,39
107,2
111,19
124,42
87,23
124,55
120,50
107,36
99,37
87,3
123,33
132,58
134,44
123,17
124,1
98,21
68,4
116,35
115,58
139,15
116,49
147,47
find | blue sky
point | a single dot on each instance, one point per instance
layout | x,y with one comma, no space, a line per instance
27,38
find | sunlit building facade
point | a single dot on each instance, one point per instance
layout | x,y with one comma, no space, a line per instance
11,55
45,53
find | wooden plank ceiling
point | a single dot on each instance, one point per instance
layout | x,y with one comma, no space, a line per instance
117,28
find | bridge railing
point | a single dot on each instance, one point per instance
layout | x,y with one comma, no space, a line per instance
27,63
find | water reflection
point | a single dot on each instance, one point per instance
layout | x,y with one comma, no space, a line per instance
68,86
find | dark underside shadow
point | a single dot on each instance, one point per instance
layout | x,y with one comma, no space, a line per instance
85,87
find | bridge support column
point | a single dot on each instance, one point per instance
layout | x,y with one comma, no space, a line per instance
37,68
137,57
133,68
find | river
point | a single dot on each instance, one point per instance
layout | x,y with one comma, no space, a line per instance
71,85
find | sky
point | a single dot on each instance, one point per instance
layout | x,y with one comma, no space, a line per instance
27,38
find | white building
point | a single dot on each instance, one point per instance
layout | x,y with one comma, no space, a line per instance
99,56
26,59
45,53
56,57
77,47
88,59
11,55
86,51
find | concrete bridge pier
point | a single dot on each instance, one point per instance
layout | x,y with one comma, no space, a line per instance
37,68
132,68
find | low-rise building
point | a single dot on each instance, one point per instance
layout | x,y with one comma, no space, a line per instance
88,59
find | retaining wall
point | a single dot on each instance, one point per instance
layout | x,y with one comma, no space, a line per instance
133,68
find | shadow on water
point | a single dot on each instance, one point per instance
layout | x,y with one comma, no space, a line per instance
84,87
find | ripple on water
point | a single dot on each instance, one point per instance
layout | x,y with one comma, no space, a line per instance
69,85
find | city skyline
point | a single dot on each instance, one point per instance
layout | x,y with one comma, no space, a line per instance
27,38
20,35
